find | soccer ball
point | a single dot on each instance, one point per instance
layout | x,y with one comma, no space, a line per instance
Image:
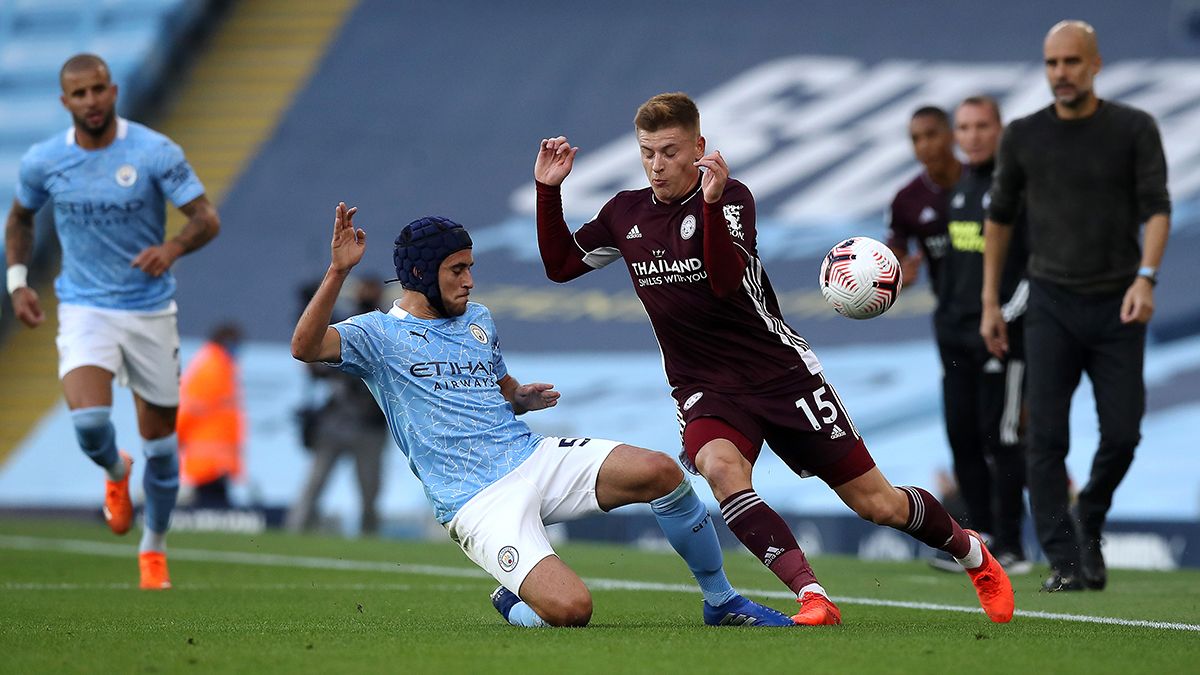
860,277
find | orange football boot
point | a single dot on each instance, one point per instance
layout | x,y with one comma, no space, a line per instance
118,508
153,566
992,586
817,610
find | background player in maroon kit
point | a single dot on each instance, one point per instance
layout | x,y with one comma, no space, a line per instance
740,375
919,209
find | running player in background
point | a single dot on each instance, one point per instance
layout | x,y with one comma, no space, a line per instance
434,366
919,209
109,179
739,374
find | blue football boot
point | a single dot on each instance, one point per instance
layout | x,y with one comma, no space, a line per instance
743,612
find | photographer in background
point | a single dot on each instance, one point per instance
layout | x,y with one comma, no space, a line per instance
347,423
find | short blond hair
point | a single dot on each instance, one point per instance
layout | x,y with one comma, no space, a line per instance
674,109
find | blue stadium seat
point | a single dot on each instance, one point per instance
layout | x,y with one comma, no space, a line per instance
32,61
125,50
52,16
8,182
30,115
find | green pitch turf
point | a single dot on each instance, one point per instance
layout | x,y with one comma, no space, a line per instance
279,603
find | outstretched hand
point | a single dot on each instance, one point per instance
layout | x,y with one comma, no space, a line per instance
715,176
555,159
536,396
348,243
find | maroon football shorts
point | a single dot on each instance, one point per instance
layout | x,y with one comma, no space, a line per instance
804,424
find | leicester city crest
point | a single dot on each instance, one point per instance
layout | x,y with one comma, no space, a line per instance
479,333
688,228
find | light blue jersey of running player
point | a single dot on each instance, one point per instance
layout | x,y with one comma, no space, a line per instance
436,381
108,207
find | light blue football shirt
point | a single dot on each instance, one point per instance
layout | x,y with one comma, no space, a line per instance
109,206
436,381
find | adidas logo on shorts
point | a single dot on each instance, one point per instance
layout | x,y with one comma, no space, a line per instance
837,433
635,233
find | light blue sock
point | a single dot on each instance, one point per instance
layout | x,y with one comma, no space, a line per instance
522,614
160,481
685,521
98,439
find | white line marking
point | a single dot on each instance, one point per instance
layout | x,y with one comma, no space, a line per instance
84,547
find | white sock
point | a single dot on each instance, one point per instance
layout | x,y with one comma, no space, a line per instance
117,471
153,541
974,557
814,587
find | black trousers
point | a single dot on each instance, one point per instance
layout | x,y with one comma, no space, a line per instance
982,399
1066,335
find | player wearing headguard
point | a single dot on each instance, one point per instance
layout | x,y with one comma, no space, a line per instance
433,364
109,180
740,375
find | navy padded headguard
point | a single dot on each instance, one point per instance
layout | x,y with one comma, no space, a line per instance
420,249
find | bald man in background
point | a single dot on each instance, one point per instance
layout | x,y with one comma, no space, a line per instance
1089,172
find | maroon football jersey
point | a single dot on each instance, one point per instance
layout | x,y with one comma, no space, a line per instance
734,344
919,211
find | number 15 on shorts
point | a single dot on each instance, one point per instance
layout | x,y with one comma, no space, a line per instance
826,409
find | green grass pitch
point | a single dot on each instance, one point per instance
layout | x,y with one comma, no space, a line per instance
280,603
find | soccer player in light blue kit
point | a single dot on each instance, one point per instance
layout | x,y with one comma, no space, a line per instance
434,365
108,179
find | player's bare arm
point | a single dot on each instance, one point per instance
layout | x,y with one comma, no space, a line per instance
1138,303
555,160
314,339
18,245
716,174
910,267
996,238
202,226
910,264
527,397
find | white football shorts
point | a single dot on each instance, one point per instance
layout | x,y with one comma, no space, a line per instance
503,528
140,348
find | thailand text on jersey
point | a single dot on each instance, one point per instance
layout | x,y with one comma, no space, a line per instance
436,382
918,211
109,205
735,344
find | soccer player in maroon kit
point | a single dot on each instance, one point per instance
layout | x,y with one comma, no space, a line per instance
919,209
740,375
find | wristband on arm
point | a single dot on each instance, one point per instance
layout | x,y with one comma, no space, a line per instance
18,277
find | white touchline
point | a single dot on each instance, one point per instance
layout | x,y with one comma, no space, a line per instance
84,547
